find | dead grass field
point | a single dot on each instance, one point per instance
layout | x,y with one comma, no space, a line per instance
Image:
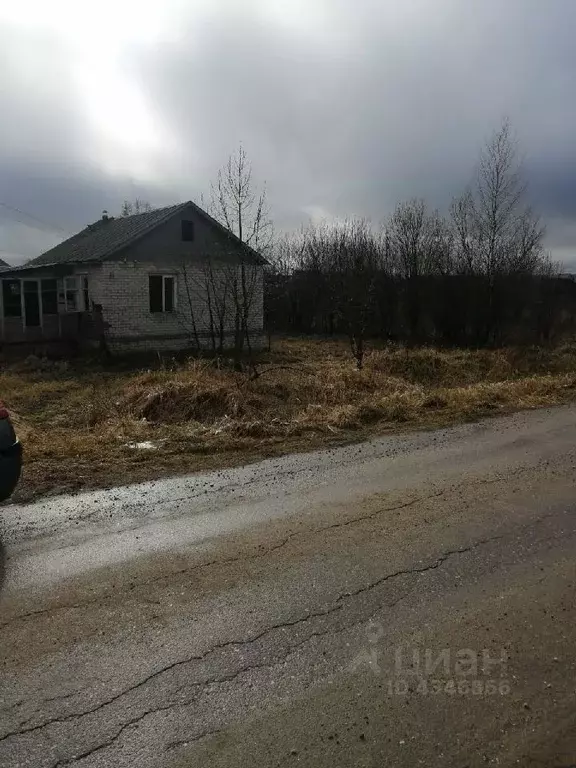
86,425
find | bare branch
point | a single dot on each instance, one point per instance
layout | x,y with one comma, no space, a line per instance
236,204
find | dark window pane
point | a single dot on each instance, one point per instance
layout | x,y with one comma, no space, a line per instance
11,298
155,291
31,304
168,294
187,231
49,297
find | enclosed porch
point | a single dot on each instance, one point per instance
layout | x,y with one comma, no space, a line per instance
39,307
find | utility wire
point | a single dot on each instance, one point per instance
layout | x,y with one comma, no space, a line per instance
45,224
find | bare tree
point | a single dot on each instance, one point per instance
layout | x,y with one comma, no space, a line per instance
282,303
348,256
188,318
236,203
465,254
209,307
217,281
496,232
419,243
221,298
217,292
130,208
285,255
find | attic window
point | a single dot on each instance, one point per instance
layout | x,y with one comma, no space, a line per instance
187,231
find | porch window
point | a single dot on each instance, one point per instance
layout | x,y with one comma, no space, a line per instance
71,294
32,317
44,297
11,298
49,297
162,293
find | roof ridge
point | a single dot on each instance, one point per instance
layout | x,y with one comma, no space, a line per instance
157,216
98,241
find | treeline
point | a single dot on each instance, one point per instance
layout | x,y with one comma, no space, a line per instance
477,277
452,310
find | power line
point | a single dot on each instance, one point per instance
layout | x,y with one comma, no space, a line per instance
52,227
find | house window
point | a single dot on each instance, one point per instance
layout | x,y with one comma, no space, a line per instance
187,231
71,295
162,293
11,298
49,297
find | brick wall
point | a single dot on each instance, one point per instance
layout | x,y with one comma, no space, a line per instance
122,289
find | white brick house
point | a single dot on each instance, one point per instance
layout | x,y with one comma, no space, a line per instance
167,279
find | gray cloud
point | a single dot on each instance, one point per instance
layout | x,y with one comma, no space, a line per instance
343,110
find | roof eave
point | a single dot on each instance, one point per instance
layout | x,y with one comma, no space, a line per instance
56,265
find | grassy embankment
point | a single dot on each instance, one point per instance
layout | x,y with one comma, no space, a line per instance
81,423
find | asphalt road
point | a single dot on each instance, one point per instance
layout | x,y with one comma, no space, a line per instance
408,601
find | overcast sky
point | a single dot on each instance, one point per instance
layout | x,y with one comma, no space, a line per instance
344,107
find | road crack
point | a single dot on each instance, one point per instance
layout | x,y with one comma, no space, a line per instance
336,606
228,560
169,667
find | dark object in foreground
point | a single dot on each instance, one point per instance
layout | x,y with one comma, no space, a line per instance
10,455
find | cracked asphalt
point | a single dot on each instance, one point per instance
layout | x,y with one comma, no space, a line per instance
407,601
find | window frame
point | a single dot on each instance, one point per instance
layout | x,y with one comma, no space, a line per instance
17,280
45,291
74,290
81,288
81,283
164,277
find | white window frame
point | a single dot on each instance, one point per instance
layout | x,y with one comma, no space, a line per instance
80,282
75,289
79,286
165,277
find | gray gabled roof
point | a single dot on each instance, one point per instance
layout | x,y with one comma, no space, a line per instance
105,237
3,263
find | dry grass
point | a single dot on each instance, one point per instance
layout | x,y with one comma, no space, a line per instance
79,424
